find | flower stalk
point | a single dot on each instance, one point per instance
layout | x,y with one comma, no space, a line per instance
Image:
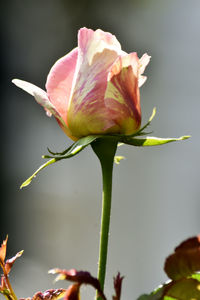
105,150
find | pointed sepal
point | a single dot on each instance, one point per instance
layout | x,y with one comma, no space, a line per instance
151,141
133,140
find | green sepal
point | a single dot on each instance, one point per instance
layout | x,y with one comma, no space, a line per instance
151,141
141,130
74,149
82,143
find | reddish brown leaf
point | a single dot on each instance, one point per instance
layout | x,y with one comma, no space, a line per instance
48,295
80,277
9,262
3,283
118,286
193,242
3,250
185,260
73,292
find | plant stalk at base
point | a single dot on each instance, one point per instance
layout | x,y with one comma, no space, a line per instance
105,150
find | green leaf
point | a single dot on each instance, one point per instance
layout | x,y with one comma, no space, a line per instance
151,141
184,289
143,297
155,295
196,276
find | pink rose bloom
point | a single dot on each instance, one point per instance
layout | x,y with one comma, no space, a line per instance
94,89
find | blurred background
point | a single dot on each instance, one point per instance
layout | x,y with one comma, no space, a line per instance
156,205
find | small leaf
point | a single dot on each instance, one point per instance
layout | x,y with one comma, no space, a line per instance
151,141
3,250
10,262
117,159
80,277
118,286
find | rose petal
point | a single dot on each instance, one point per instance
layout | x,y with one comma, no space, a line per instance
122,96
92,42
144,60
87,112
59,82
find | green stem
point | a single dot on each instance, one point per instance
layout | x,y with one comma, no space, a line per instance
9,287
105,149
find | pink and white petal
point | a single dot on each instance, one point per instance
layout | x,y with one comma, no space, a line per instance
87,111
92,42
90,82
122,96
141,80
144,61
59,82
123,62
41,98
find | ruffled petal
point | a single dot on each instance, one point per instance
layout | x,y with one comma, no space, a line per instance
59,82
122,96
144,60
87,113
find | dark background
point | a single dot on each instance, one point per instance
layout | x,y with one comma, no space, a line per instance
156,191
